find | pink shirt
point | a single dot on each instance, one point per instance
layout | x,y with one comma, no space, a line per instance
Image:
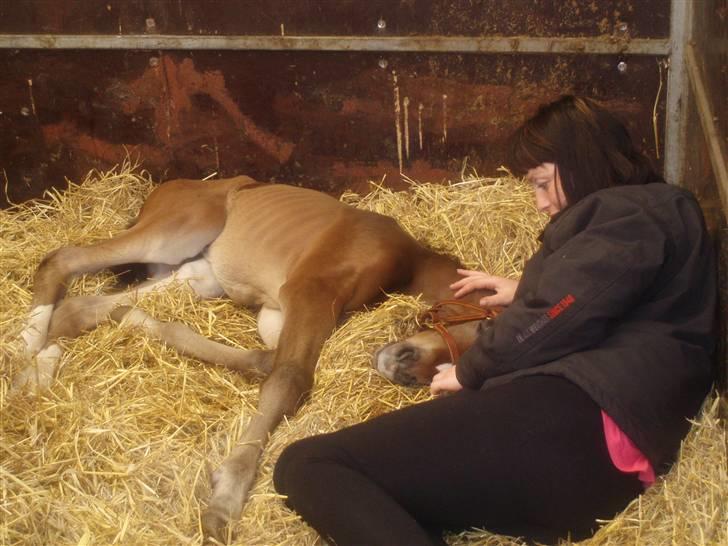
624,454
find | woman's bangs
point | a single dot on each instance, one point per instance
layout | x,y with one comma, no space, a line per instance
528,151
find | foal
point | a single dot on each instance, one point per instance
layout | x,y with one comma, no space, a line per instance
301,257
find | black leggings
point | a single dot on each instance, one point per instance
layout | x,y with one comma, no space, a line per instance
525,459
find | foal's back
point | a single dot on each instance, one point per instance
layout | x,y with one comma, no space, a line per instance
275,232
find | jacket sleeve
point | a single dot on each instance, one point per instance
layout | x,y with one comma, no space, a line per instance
599,271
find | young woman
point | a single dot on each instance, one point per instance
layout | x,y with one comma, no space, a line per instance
574,397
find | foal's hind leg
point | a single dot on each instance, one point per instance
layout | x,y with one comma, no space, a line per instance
75,315
178,221
160,242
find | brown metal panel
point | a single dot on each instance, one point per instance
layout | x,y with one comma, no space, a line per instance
711,40
699,176
711,43
324,120
636,18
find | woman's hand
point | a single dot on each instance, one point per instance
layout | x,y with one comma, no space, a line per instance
505,289
445,381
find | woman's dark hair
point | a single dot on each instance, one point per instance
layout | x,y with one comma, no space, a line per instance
590,147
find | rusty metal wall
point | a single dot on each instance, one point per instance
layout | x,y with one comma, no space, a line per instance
646,18
323,119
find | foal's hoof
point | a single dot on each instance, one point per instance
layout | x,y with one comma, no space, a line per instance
38,375
214,527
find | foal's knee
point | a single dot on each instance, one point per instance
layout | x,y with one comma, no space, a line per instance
287,387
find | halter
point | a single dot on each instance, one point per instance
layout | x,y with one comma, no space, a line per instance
437,320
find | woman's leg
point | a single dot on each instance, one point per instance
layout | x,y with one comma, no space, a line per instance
527,458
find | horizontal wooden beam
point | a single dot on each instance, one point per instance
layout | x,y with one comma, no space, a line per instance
429,44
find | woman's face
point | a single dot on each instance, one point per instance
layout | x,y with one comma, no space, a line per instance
547,188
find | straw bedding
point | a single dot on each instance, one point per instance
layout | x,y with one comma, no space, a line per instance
120,449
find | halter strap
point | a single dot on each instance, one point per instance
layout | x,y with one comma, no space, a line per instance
436,319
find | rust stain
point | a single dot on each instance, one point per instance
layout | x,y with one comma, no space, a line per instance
174,84
68,133
405,105
397,123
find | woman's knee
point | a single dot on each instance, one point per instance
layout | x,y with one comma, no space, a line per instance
295,464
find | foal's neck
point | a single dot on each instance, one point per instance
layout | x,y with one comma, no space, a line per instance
433,275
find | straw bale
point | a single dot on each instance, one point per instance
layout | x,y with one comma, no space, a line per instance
120,449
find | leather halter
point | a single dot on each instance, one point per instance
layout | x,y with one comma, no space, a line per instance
436,319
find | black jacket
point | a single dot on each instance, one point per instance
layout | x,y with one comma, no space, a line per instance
620,299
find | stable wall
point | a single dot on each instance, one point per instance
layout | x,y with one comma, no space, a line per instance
309,92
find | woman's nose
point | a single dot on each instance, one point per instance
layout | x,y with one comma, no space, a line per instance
542,203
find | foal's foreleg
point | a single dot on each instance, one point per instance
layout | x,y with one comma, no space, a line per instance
311,312
189,343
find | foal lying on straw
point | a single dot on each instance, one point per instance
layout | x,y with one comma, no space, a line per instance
303,258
